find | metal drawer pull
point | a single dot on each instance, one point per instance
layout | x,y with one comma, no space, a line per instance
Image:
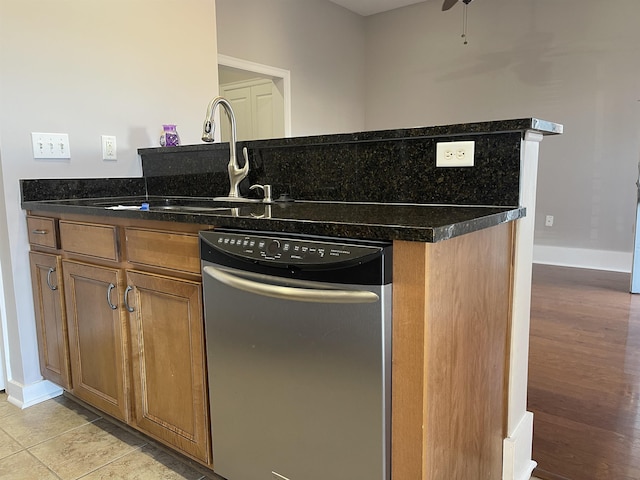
51,287
291,293
109,288
39,232
126,298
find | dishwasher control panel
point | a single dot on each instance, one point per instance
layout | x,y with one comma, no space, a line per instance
286,250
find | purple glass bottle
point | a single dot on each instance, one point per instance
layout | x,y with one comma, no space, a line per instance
169,137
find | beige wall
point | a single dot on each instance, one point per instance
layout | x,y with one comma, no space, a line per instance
572,61
575,62
320,43
89,68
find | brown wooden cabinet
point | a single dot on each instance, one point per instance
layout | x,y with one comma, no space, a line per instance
168,358
132,297
98,336
451,321
51,321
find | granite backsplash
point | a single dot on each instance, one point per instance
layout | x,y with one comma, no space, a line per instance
394,166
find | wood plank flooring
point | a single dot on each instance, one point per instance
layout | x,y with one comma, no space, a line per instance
584,375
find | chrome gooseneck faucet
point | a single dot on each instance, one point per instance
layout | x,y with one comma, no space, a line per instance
236,174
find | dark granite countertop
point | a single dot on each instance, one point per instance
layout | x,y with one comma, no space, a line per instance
422,223
375,185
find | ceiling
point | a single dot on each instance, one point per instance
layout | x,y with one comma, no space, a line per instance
371,7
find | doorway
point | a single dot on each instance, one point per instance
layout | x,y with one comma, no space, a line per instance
260,96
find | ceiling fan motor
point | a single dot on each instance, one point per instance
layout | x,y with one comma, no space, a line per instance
450,3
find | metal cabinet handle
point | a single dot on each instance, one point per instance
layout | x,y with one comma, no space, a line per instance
126,298
39,232
51,287
109,288
291,293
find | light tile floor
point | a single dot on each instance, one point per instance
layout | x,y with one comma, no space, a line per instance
59,439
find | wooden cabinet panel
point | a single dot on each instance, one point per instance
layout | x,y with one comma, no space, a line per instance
97,336
169,372
92,240
451,318
51,321
173,250
42,231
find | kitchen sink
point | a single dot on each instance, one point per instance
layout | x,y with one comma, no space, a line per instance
177,204
187,208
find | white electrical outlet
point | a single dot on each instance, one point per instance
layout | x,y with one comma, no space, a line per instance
455,154
548,221
50,145
109,150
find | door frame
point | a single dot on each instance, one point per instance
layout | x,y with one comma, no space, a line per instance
4,344
282,79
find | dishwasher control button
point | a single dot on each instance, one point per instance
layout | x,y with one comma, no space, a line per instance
273,247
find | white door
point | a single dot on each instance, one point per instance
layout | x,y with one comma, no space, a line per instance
259,109
240,100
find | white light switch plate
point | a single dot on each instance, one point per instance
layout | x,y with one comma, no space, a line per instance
50,145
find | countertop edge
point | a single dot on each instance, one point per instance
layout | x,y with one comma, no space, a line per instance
309,226
544,127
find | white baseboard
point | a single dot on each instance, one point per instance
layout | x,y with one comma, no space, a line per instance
516,451
583,258
23,396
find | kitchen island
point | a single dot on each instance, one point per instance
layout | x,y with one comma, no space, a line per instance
459,264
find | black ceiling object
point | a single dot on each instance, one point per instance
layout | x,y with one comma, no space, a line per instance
450,3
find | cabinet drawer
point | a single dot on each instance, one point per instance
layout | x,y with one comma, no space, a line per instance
42,231
92,240
173,250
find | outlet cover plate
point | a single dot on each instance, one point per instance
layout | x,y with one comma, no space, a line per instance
455,154
109,147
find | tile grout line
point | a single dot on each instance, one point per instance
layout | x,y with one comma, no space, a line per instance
53,472
22,447
62,433
111,461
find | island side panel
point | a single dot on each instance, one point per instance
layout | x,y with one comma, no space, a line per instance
408,360
451,316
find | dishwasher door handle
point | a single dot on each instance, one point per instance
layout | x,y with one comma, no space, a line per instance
292,293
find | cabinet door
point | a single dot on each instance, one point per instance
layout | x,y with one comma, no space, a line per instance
51,321
97,336
169,374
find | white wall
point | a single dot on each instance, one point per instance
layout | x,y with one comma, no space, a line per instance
320,43
120,68
574,62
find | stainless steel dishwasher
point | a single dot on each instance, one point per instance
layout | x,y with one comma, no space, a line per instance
298,333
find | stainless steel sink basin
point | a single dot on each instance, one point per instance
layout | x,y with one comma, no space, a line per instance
178,204
187,208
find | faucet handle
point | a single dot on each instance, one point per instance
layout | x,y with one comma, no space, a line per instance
266,190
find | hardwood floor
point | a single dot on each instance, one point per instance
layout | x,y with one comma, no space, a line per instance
584,375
